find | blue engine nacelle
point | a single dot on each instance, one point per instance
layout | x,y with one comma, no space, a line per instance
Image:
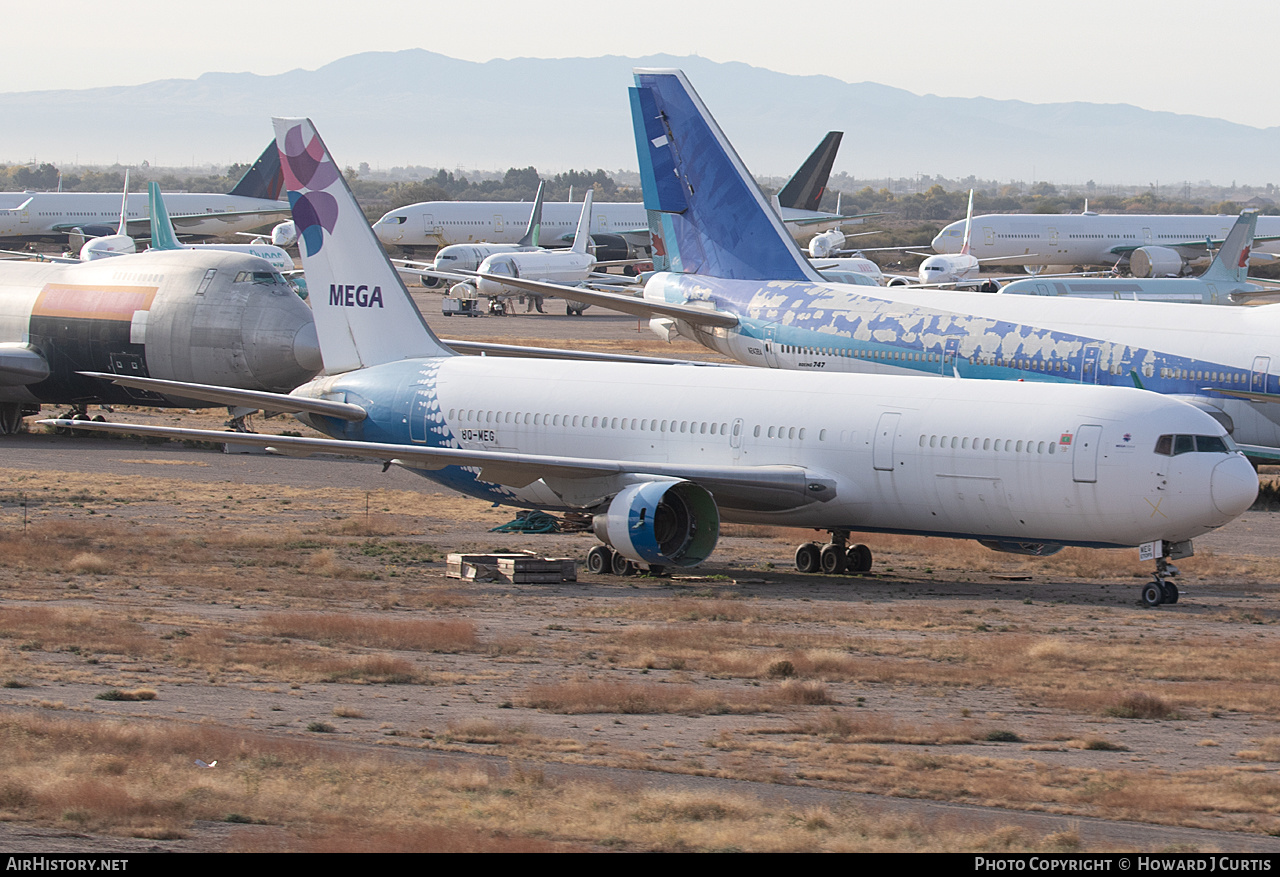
663,523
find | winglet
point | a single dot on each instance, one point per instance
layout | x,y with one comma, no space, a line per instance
1232,262
534,231
582,237
804,191
716,221
366,317
162,235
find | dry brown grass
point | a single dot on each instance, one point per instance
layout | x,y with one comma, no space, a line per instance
453,635
613,696
309,796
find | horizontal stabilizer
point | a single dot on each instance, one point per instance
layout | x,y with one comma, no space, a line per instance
627,304
279,402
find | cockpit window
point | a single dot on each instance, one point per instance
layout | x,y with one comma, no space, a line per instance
1173,445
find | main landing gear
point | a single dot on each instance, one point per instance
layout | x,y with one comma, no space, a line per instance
603,560
835,557
1160,590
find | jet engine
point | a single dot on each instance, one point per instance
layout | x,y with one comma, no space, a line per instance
898,280
285,234
610,247
823,245
667,523
1155,262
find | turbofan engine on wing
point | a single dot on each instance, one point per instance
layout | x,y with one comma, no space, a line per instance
610,247
666,523
285,234
1155,262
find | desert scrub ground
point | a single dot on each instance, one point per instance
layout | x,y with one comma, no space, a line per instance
307,640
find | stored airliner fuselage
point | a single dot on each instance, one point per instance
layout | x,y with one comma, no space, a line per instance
1092,238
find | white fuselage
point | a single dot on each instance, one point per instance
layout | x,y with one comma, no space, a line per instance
1188,290
1088,238
949,268
1057,464
47,214
443,223
563,267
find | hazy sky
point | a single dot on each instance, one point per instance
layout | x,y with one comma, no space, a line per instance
1174,55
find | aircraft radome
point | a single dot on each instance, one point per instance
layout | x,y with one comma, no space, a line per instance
207,317
660,454
740,285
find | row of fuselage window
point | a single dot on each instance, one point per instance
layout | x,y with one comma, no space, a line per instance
1050,366
629,424
965,443
790,433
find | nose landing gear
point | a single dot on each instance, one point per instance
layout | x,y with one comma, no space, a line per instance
1160,590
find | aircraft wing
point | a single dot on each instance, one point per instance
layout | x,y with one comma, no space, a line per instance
21,365
627,304
513,350
142,227
42,257
828,218
771,486
283,403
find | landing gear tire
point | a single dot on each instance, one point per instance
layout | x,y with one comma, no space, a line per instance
809,557
600,561
621,566
833,559
858,559
10,418
1152,594
1170,592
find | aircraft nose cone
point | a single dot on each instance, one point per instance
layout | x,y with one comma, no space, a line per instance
388,232
306,348
280,344
1233,486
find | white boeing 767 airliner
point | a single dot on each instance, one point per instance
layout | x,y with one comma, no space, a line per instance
660,454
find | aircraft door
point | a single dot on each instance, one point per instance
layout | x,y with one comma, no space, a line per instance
497,223
1084,460
770,347
735,439
882,444
949,353
419,411
1258,380
988,235
1089,365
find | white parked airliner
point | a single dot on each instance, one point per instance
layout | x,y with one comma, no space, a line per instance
658,455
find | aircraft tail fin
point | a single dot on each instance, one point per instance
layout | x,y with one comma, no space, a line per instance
582,237
162,235
534,232
364,315
968,226
804,191
1231,265
716,220
263,179
123,229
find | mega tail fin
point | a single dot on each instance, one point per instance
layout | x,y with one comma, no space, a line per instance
264,179
363,312
1231,265
534,231
804,191
715,220
582,237
162,235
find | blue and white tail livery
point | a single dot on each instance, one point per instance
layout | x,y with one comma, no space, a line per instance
732,263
